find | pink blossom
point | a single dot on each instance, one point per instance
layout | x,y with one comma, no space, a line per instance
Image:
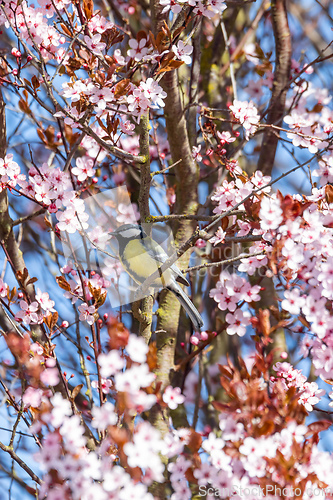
172,397
127,214
99,237
28,313
67,220
104,416
183,52
105,385
171,4
200,243
44,300
3,289
127,127
231,429
178,468
110,363
205,474
293,301
87,313
50,376
32,397
246,113
153,92
94,43
225,137
84,168
137,349
270,213
60,411
138,49
238,321
134,378
218,237
196,153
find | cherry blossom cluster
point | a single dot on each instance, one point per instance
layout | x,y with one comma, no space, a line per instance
101,92
309,392
141,50
247,114
30,312
148,94
231,292
297,241
325,169
34,312
311,118
303,243
83,474
76,292
51,188
206,8
33,26
126,461
237,458
231,193
37,365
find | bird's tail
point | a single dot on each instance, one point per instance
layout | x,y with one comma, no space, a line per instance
187,305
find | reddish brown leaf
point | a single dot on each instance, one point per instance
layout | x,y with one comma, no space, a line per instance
321,425
122,88
63,283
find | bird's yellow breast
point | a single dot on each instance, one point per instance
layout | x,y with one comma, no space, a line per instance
140,265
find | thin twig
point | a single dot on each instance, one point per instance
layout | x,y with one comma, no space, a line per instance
28,217
222,262
164,218
231,64
20,462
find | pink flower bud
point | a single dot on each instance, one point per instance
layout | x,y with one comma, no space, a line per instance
204,336
64,324
16,52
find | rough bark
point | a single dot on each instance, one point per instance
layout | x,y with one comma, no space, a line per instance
187,176
276,108
270,141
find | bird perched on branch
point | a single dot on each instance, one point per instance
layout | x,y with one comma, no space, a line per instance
141,256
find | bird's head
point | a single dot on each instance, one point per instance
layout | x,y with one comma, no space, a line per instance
128,232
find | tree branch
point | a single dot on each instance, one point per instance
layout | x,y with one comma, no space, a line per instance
20,462
280,84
